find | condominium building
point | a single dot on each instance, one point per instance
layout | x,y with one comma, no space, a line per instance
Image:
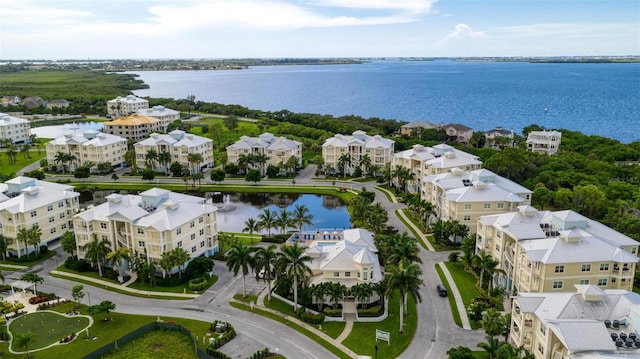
91,147
465,196
544,142
424,161
151,223
354,148
27,202
133,127
165,115
462,133
588,322
14,129
499,138
544,251
124,106
181,147
414,127
277,149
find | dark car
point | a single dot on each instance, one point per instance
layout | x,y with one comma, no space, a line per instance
442,290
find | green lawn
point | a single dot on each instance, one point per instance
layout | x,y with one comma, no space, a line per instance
333,329
452,301
465,281
362,337
21,162
182,288
48,327
279,305
156,344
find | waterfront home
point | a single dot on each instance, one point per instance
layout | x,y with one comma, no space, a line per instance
277,151
180,146
588,322
461,132
465,196
133,127
544,142
349,151
413,128
89,148
124,106
27,202
545,251
14,129
165,115
154,222
499,138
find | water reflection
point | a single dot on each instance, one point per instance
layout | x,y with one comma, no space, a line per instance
329,212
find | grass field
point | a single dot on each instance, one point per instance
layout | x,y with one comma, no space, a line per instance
21,162
48,327
156,344
465,282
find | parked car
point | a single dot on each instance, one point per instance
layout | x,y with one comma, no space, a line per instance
442,290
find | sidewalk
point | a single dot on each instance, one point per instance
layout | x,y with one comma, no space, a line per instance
453,289
103,283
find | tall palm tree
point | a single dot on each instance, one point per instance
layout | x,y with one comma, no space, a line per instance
301,216
365,162
24,340
239,258
180,257
164,159
264,261
96,251
4,246
267,219
377,217
343,161
491,346
118,256
166,263
403,175
260,159
336,293
35,236
23,236
251,225
32,278
404,279
404,247
284,220
292,262
362,293
319,293
194,161
150,158
485,262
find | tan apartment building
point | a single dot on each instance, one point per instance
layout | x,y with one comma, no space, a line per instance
151,223
465,196
586,323
124,106
544,142
14,129
179,145
462,133
26,202
378,149
424,161
544,251
414,127
133,127
90,147
277,149
165,115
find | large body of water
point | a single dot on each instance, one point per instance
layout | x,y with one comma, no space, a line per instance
601,99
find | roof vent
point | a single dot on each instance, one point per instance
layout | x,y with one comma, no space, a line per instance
450,155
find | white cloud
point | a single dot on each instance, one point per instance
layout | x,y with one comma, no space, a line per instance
24,14
462,31
416,6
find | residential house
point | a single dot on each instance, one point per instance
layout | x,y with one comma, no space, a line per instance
34,101
544,142
133,127
179,145
423,161
9,100
14,129
58,103
165,115
278,150
462,133
154,222
544,251
28,202
124,106
589,323
465,196
354,148
91,147
499,138
414,127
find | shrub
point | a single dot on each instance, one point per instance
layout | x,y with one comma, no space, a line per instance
454,256
330,312
223,338
198,267
312,318
79,265
374,311
197,284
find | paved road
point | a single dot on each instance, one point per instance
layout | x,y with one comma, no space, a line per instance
436,331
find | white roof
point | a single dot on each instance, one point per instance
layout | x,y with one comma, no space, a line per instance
482,192
173,139
266,141
157,111
359,138
6,120
101,139
34,194
462,186
423,124
128,99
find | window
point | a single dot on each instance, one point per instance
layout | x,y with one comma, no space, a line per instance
140,231
487,205
336,274
62,215
180,244
500,205
540,348
140,243
467,206
466,217
543,329
557,284
201,219
63,226
193,236
192,224
347,274
584,281
53,230
60,204
33,213
604,266
559,269
51,219
586,268
602,282
202,232
179,231
104,237
365,275
497,248
103,225
634,250
201,244
50,208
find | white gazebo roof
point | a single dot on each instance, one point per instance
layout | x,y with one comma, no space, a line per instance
21,284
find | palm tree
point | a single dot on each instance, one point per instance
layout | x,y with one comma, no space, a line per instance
264,262
403,174
4,246
267,219
336,293
32,278
35,236
116,257
23,236
251,225
319,292
343,161
377,217
404,247
284,220
96,251
491,346
166,263
293,263
164,159
194,161
68,243
260,159
147,270
485,262
362,292
239,258
405,279
24,340
365,162
301,216
180,257
150,158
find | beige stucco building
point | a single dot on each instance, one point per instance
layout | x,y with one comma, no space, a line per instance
133,127
89,147
378,149
26,202
14,129
165,115
277,149
179,145
124,106
414,127
544,142
544,251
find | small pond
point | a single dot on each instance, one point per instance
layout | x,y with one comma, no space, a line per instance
59,130
329,212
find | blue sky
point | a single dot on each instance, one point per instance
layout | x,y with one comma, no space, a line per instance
92,29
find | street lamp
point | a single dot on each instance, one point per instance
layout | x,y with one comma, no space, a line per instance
376,347
89,295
